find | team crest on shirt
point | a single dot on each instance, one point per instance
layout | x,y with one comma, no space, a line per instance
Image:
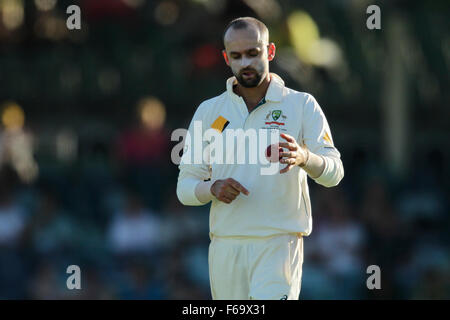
276,114
278,120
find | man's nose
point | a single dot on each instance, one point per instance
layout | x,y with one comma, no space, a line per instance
245,62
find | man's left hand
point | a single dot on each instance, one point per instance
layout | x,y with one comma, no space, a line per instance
296,156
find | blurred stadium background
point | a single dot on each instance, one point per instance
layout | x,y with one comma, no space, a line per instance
86,118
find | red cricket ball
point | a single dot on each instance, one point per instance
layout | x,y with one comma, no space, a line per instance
273,152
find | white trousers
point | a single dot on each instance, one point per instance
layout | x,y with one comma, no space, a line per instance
268,268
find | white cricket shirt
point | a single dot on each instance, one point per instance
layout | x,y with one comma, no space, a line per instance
279,203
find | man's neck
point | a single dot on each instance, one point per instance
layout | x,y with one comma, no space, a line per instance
252,96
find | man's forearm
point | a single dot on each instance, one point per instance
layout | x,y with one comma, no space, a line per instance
314,165
325,170
203,191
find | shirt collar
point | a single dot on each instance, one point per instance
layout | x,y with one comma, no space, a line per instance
274,91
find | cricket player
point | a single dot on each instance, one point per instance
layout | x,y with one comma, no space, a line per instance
257,221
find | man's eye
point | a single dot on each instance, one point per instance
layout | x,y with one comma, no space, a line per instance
253,54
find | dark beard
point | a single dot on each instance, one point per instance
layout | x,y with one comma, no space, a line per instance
249,83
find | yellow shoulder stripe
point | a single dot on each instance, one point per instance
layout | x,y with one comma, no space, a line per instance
220,124
326,137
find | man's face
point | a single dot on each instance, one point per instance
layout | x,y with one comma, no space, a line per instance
246,52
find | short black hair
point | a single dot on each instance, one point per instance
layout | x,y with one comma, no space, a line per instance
245,22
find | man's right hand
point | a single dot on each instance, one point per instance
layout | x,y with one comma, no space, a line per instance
227,190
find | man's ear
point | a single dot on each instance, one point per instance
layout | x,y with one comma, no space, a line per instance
271,51
224,53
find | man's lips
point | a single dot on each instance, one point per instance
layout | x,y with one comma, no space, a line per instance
248,73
